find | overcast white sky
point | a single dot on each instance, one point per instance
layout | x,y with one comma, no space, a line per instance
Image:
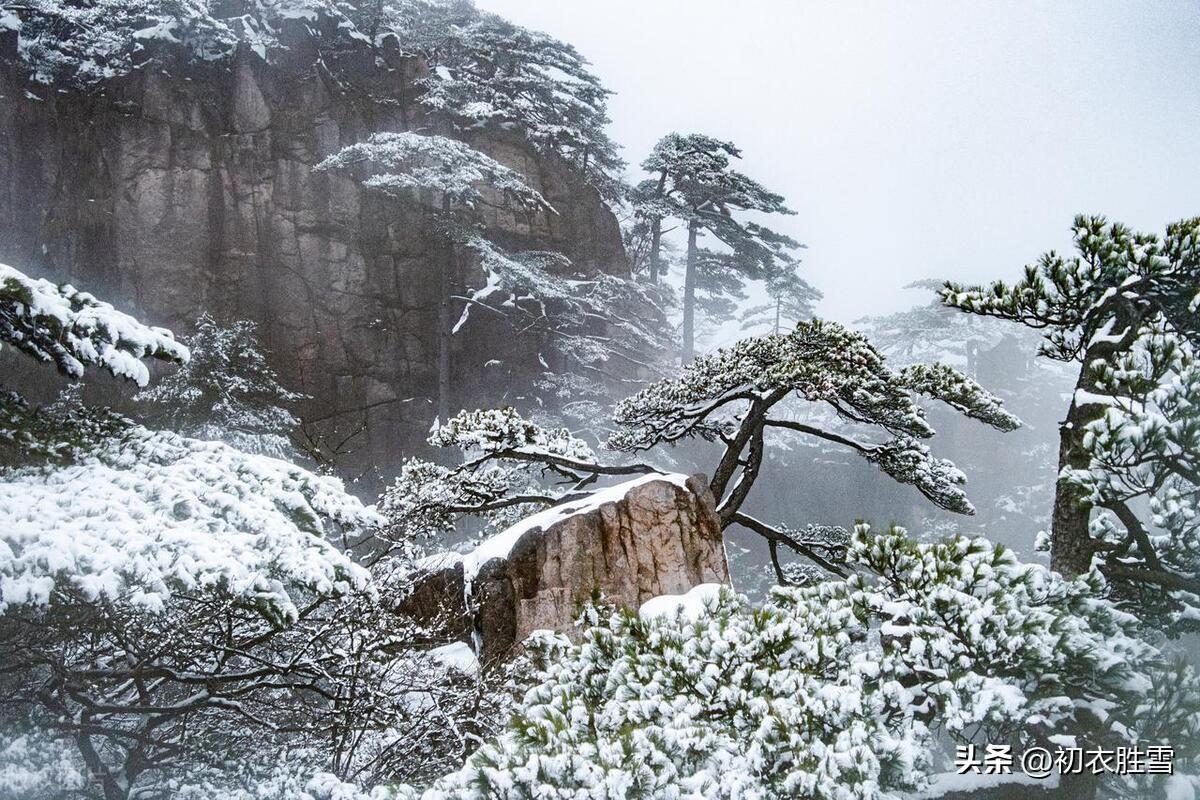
914,139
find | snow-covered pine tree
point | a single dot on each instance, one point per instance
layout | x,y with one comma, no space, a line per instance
445,175
735,396
694,183
169,604
225,392
70,329
60,325
485,70
586,321
1125,310
838,690
790,299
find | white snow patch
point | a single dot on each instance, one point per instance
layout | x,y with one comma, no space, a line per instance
500,545
458,656
691,605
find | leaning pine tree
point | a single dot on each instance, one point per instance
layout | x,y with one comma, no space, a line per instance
1126,310
737,397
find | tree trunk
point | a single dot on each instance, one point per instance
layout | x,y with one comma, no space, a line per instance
1071,547
689,297
655,248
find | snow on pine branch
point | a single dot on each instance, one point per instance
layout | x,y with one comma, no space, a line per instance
1119,279
510,469
400,164
151,514
838,689
944,383
495,430
1145,448
487,71
820,361
72,329
590,320
729,395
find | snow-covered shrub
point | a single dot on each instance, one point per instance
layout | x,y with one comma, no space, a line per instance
834,690
34,766
149,515
226,392
427,498
72,329
54,433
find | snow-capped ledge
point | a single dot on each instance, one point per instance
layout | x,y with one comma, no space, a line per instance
657,534
500,545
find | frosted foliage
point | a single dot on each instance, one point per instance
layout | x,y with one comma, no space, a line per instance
1147,445
589,320
834,690
72,329
947,384
488,71
818,362
428,498
34,766
82,43
227,391
491,430
153,514
1120,279
405,163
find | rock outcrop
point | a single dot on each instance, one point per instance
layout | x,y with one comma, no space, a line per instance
655,535
174,192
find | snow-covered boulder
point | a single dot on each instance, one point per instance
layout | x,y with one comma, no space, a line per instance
651,536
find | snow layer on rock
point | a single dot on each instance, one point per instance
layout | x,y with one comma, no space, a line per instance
154,513
500,545
691,605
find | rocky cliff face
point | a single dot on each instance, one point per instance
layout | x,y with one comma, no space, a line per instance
194,189
648,537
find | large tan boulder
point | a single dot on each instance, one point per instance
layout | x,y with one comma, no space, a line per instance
654,535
